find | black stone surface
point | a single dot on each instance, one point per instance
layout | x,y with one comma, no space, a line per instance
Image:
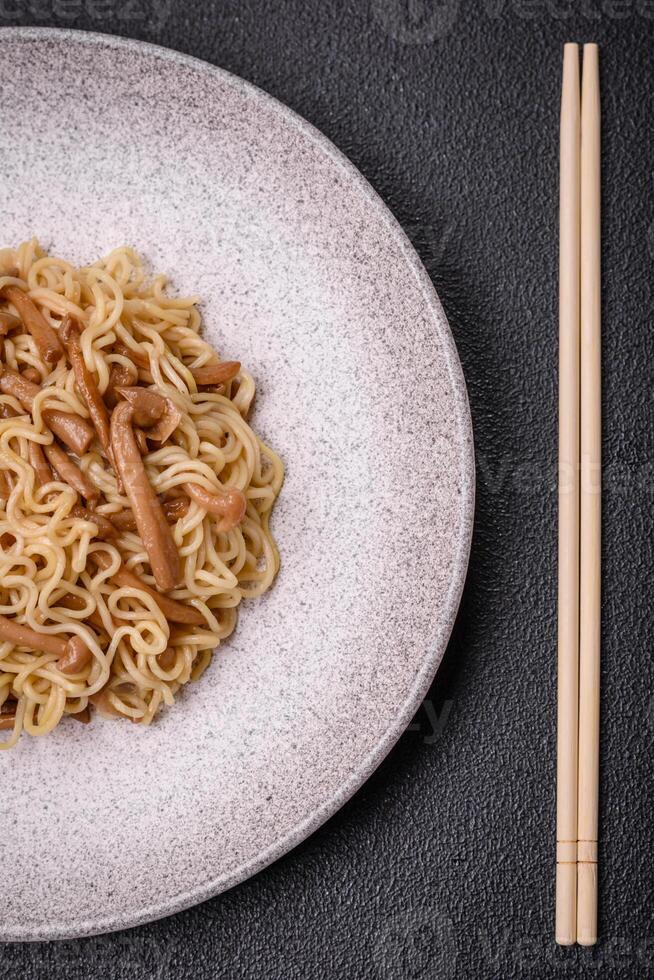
442,865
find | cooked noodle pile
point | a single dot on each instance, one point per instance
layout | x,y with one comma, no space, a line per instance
134,496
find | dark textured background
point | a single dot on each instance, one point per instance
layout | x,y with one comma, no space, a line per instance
442,865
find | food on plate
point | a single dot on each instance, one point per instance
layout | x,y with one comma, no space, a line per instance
135,498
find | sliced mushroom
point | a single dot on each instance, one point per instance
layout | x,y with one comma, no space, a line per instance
173,510
70,473
164,428
159,415
101,701
72,429
148,406
137,357
45,337
73,654
150,519
120,376
23,390
8,322
31,374
5,486
39,463
210,374
7,722
76,657
230,504
166,660
74,602
84,716
70,334
141,441
176,612
23,636
106,530
216,374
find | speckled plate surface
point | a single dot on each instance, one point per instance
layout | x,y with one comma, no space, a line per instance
310,282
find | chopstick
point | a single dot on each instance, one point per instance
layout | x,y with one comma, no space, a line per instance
590,504
580,515
568,587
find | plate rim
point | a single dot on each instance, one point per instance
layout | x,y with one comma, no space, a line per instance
434,653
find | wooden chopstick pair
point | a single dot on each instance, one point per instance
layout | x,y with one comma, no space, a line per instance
579,502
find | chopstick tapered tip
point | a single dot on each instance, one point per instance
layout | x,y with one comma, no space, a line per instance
591,67
570,58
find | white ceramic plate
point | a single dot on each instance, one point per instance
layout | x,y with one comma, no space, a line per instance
310,282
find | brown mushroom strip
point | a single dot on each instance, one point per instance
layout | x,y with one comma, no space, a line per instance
70,473
101,701
148,406
73,654
173,509
31,374
84,715
139,359
44,335
7,412
106,530
72,429
25,637
19,387
230,505
176,509
96,620
210,374
76,657
167,424
124,521
176,612
74,602
71,601
39,464
70,333
8,322
141,441
119,377
150,520
5,488
7,722
159,415
167,659
216,374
